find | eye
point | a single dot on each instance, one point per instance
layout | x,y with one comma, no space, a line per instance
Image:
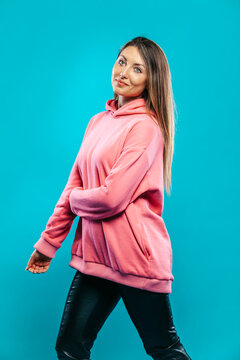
138,69
119,62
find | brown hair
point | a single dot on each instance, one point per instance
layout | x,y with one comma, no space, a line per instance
158,95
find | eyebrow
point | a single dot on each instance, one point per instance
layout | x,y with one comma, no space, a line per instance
133,64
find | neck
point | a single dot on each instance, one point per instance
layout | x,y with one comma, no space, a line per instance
123,100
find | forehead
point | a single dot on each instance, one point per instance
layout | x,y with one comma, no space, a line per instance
132,54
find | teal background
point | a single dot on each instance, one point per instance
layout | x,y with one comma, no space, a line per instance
56,59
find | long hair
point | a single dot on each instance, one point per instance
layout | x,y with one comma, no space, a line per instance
158,95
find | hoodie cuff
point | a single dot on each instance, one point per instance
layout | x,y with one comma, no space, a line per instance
45,248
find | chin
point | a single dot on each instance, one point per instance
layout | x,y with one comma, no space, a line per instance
119,92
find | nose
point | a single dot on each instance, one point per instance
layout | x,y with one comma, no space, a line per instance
124,72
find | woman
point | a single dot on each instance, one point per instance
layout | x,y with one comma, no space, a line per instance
121,247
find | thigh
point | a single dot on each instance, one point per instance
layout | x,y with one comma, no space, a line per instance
152,316
89,302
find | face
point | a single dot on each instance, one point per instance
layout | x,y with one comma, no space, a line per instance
134,75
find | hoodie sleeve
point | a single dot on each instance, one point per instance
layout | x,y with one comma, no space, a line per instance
139,151
60,222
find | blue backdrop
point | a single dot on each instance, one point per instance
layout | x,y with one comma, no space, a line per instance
56,59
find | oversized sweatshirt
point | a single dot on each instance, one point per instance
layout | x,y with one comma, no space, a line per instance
116,190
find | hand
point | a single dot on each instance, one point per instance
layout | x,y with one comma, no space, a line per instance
38,262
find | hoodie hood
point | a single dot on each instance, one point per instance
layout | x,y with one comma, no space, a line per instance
133,107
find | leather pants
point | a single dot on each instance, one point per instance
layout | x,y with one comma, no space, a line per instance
90,301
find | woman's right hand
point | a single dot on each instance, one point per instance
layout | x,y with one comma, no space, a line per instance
38,262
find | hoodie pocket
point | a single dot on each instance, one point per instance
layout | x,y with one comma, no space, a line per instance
135,222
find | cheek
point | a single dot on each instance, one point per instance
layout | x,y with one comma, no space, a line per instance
138,81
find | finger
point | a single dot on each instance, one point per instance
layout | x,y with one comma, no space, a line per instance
42,263
29,268
29,264
31,260
33,268
39,268
36,269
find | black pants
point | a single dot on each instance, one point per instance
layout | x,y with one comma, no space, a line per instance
89,302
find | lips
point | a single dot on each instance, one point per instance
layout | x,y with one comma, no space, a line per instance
121,82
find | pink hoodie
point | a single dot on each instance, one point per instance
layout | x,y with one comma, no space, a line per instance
116,189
